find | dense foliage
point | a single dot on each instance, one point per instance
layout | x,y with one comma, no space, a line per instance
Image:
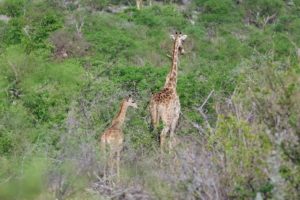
66,65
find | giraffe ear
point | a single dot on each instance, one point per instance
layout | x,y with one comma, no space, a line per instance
172,37
183,37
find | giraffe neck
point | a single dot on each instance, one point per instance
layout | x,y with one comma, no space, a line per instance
171,80
119,119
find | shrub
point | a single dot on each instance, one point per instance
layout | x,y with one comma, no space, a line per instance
265,7
13,32
14,8
274,87
218,11
284,22
282,46
68,46
42,29
217,7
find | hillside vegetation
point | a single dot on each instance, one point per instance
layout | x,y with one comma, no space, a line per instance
66,65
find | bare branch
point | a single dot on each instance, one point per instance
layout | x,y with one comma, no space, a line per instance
265,20
268,18
79,22
79,27
8,179
14,70
25,29
197,126
200,109
24,10
129,3
205,119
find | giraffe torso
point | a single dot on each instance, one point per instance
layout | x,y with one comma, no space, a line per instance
165,96
167,102
113,136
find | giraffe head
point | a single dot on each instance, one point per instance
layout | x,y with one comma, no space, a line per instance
131,102
179,38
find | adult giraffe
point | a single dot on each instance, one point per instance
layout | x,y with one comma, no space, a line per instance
165,105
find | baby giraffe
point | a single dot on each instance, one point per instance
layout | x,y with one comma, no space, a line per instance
113,136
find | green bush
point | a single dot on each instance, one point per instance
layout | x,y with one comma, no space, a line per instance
5,141
13,32
141,78
218,7
273,86
260,41
197,31
284,22
218,11
43,27
96,4
14,127
150,17
14,8
265,7
282,45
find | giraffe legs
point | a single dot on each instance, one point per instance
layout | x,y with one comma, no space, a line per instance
154,118
154,115
111,162
169,114
170,121
114,156
103,149
118,164
167,121
172,140
118,160
163,136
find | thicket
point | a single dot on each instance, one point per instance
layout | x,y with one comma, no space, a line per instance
66,65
